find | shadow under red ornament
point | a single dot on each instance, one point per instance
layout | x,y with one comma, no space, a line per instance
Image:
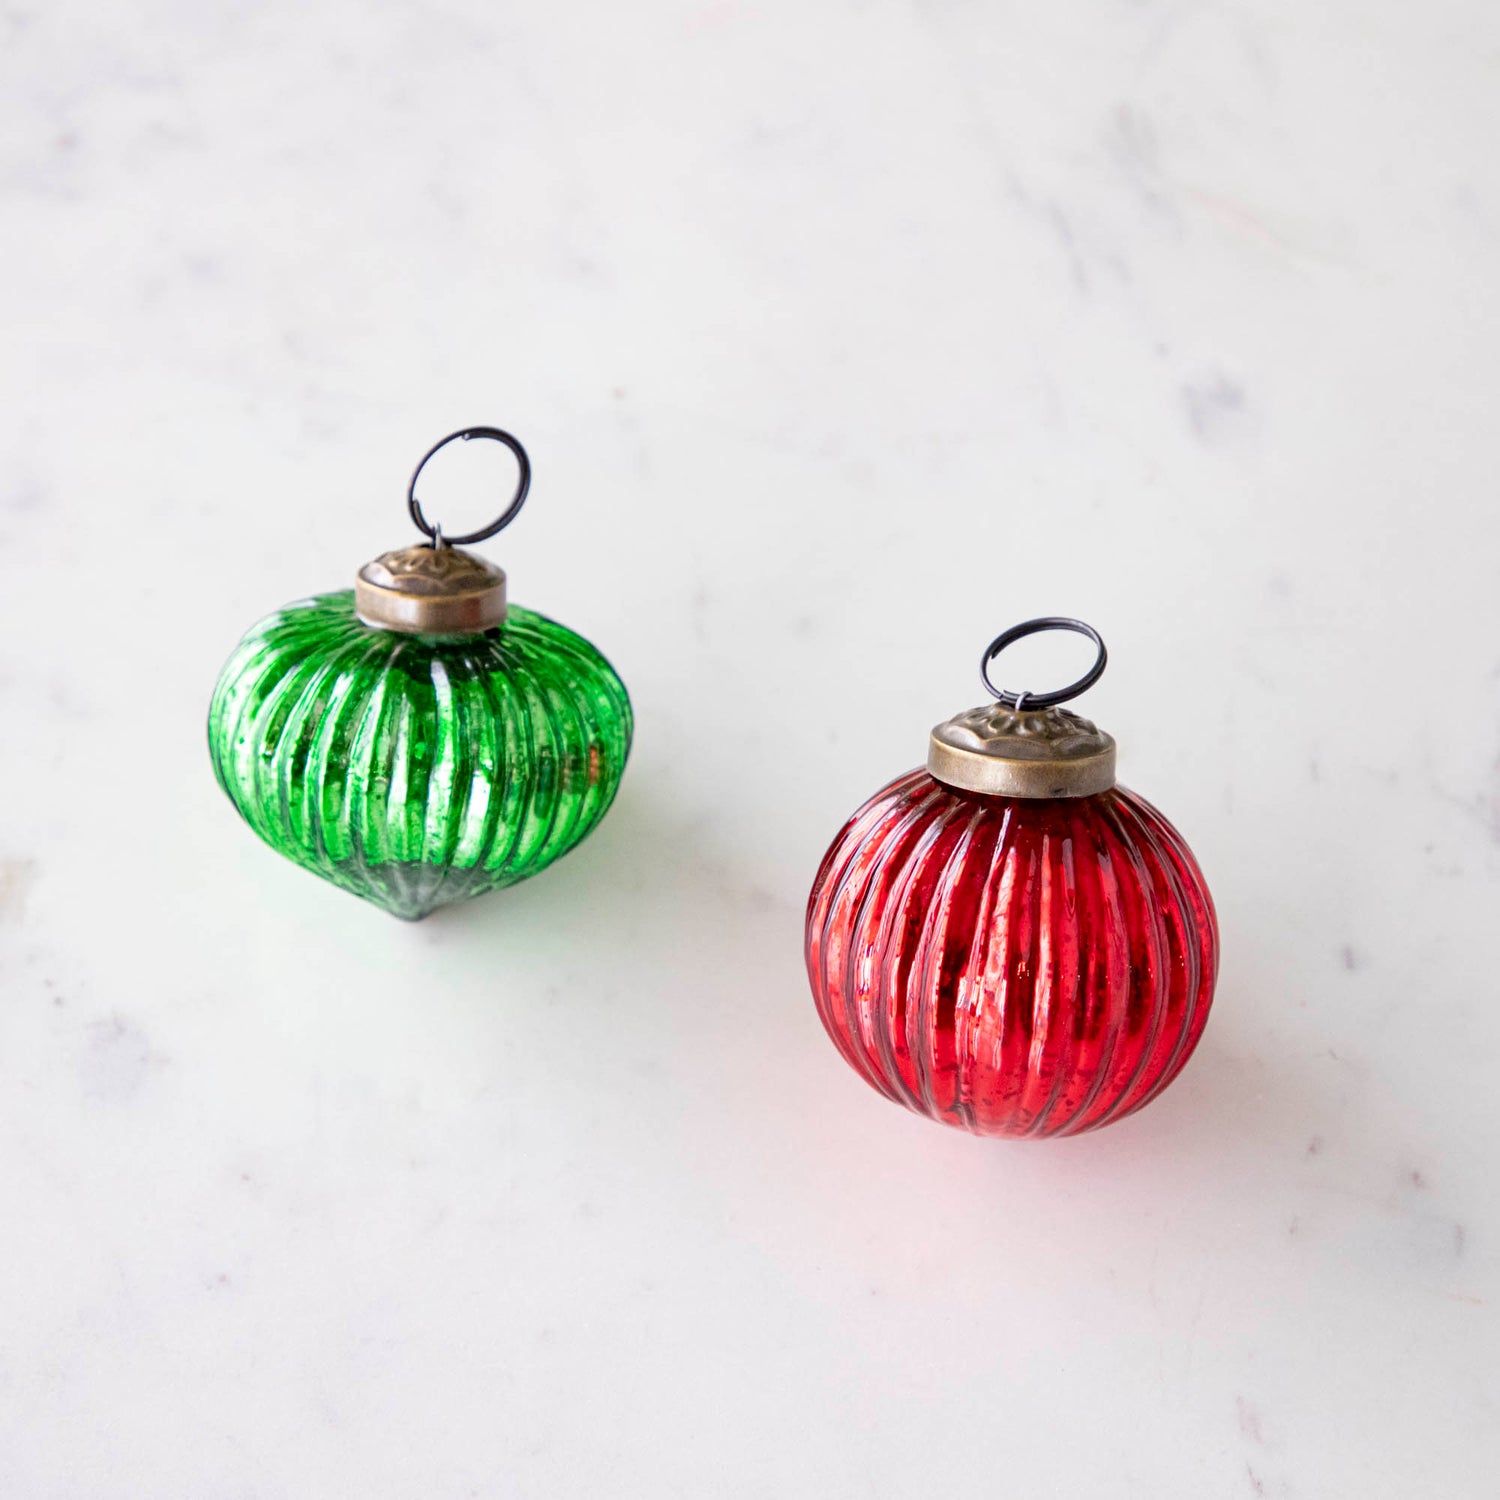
1010,963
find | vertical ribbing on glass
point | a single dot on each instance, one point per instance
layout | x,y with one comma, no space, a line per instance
1012,966
417,770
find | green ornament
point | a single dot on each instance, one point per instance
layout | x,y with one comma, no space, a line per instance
413,740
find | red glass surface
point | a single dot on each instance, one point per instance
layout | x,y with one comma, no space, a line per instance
1012,966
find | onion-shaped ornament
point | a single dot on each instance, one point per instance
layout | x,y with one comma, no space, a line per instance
415,740
1007,941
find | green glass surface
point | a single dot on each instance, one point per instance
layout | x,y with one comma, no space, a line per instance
417,770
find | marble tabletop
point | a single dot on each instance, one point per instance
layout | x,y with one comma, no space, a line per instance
842,335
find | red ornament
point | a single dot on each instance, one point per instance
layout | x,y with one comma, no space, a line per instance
1012,944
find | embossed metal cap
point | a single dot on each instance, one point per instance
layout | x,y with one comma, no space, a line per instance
425,590
1024,745
1010,752
435,587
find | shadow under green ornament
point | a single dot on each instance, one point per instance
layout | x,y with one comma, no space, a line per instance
414,740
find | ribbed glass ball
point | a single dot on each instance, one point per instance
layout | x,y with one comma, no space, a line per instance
1012,966
417,770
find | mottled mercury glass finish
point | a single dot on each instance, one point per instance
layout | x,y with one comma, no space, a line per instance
1012,966
417,770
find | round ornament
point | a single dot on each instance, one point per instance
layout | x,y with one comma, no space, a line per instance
1008,941
417,740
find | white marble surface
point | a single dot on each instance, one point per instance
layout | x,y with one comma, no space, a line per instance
843,335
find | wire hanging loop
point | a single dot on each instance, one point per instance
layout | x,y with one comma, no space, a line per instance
434,534
1033,627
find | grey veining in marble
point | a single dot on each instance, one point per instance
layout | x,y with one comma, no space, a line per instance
842,335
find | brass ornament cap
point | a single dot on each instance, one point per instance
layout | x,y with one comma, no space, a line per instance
1022,752
425,590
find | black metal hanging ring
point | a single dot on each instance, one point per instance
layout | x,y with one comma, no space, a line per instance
435,533
1032,627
